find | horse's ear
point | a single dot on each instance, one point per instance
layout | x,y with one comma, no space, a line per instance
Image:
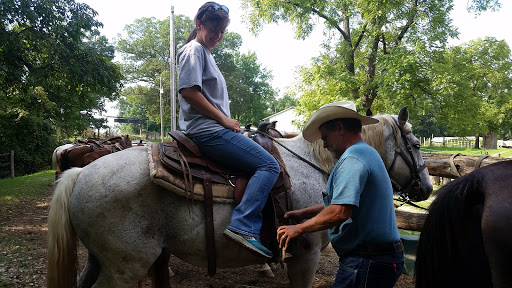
403,116
369,112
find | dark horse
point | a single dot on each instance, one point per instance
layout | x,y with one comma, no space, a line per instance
467,237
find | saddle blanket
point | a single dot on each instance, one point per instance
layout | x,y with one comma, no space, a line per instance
174,181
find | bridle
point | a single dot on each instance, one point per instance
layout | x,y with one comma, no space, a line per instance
413,185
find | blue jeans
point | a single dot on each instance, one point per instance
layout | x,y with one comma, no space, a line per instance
236,151
369,271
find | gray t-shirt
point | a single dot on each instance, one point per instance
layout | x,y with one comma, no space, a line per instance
196,67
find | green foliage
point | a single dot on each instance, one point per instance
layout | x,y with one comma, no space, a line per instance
361,33
472,86
249,90
284,102
32,140
145,50
53,64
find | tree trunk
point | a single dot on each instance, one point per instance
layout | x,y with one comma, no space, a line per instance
438,164
409,220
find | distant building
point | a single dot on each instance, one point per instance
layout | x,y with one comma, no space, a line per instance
285,120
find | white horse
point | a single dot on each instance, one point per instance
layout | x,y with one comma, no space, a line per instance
57,156
128,223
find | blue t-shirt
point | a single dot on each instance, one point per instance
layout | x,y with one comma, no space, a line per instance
196,67
360,178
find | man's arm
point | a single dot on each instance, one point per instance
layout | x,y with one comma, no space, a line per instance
305,213
332,215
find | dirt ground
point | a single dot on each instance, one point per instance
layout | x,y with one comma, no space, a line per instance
23,257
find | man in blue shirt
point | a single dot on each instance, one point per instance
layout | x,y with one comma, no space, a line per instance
358,209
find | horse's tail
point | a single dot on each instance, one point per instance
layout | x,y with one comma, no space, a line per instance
62,240
443,233
54,159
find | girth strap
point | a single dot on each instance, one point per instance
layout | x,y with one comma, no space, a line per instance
208,222
280,211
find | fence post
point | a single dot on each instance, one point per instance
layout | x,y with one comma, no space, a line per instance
12,163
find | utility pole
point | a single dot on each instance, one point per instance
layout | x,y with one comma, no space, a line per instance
173,70
161,111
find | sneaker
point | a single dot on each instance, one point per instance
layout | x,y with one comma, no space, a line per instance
248,242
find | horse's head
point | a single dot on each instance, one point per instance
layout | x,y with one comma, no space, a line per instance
402,157
399,149
127,141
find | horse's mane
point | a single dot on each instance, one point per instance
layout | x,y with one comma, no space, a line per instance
372,134
445,231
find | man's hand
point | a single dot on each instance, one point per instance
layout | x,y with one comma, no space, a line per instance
295,215
286,233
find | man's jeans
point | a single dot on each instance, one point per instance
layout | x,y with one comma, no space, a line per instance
236,151
369,271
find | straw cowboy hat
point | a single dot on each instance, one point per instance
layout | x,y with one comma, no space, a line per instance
334,110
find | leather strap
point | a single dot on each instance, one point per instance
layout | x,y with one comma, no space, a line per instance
453,168
296,155
240,185
185,141
280,211
478,162
208,222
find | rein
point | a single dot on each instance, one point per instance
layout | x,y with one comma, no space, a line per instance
295,154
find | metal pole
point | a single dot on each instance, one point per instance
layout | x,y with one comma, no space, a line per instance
161,112
173,69
12,163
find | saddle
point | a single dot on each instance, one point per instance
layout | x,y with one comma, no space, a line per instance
181,168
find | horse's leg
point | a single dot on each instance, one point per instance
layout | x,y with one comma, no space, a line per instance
302,268
120,276
160,270
90,273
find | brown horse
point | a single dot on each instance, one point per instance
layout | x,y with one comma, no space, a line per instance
83,152
467,237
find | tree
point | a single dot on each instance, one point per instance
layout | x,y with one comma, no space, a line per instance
53,64
473,88
284,102
366,43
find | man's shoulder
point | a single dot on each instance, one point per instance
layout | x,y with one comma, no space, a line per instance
360,148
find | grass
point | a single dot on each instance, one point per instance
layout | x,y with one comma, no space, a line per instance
35,185
18,252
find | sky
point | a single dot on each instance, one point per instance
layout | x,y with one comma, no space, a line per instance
275,46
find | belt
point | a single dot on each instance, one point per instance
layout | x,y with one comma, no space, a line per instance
378,249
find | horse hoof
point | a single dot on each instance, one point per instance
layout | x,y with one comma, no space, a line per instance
266,271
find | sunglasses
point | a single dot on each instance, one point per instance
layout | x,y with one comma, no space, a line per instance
214,7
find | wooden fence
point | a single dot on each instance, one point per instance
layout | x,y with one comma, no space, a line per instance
10,163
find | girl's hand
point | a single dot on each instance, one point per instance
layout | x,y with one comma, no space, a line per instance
232,124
